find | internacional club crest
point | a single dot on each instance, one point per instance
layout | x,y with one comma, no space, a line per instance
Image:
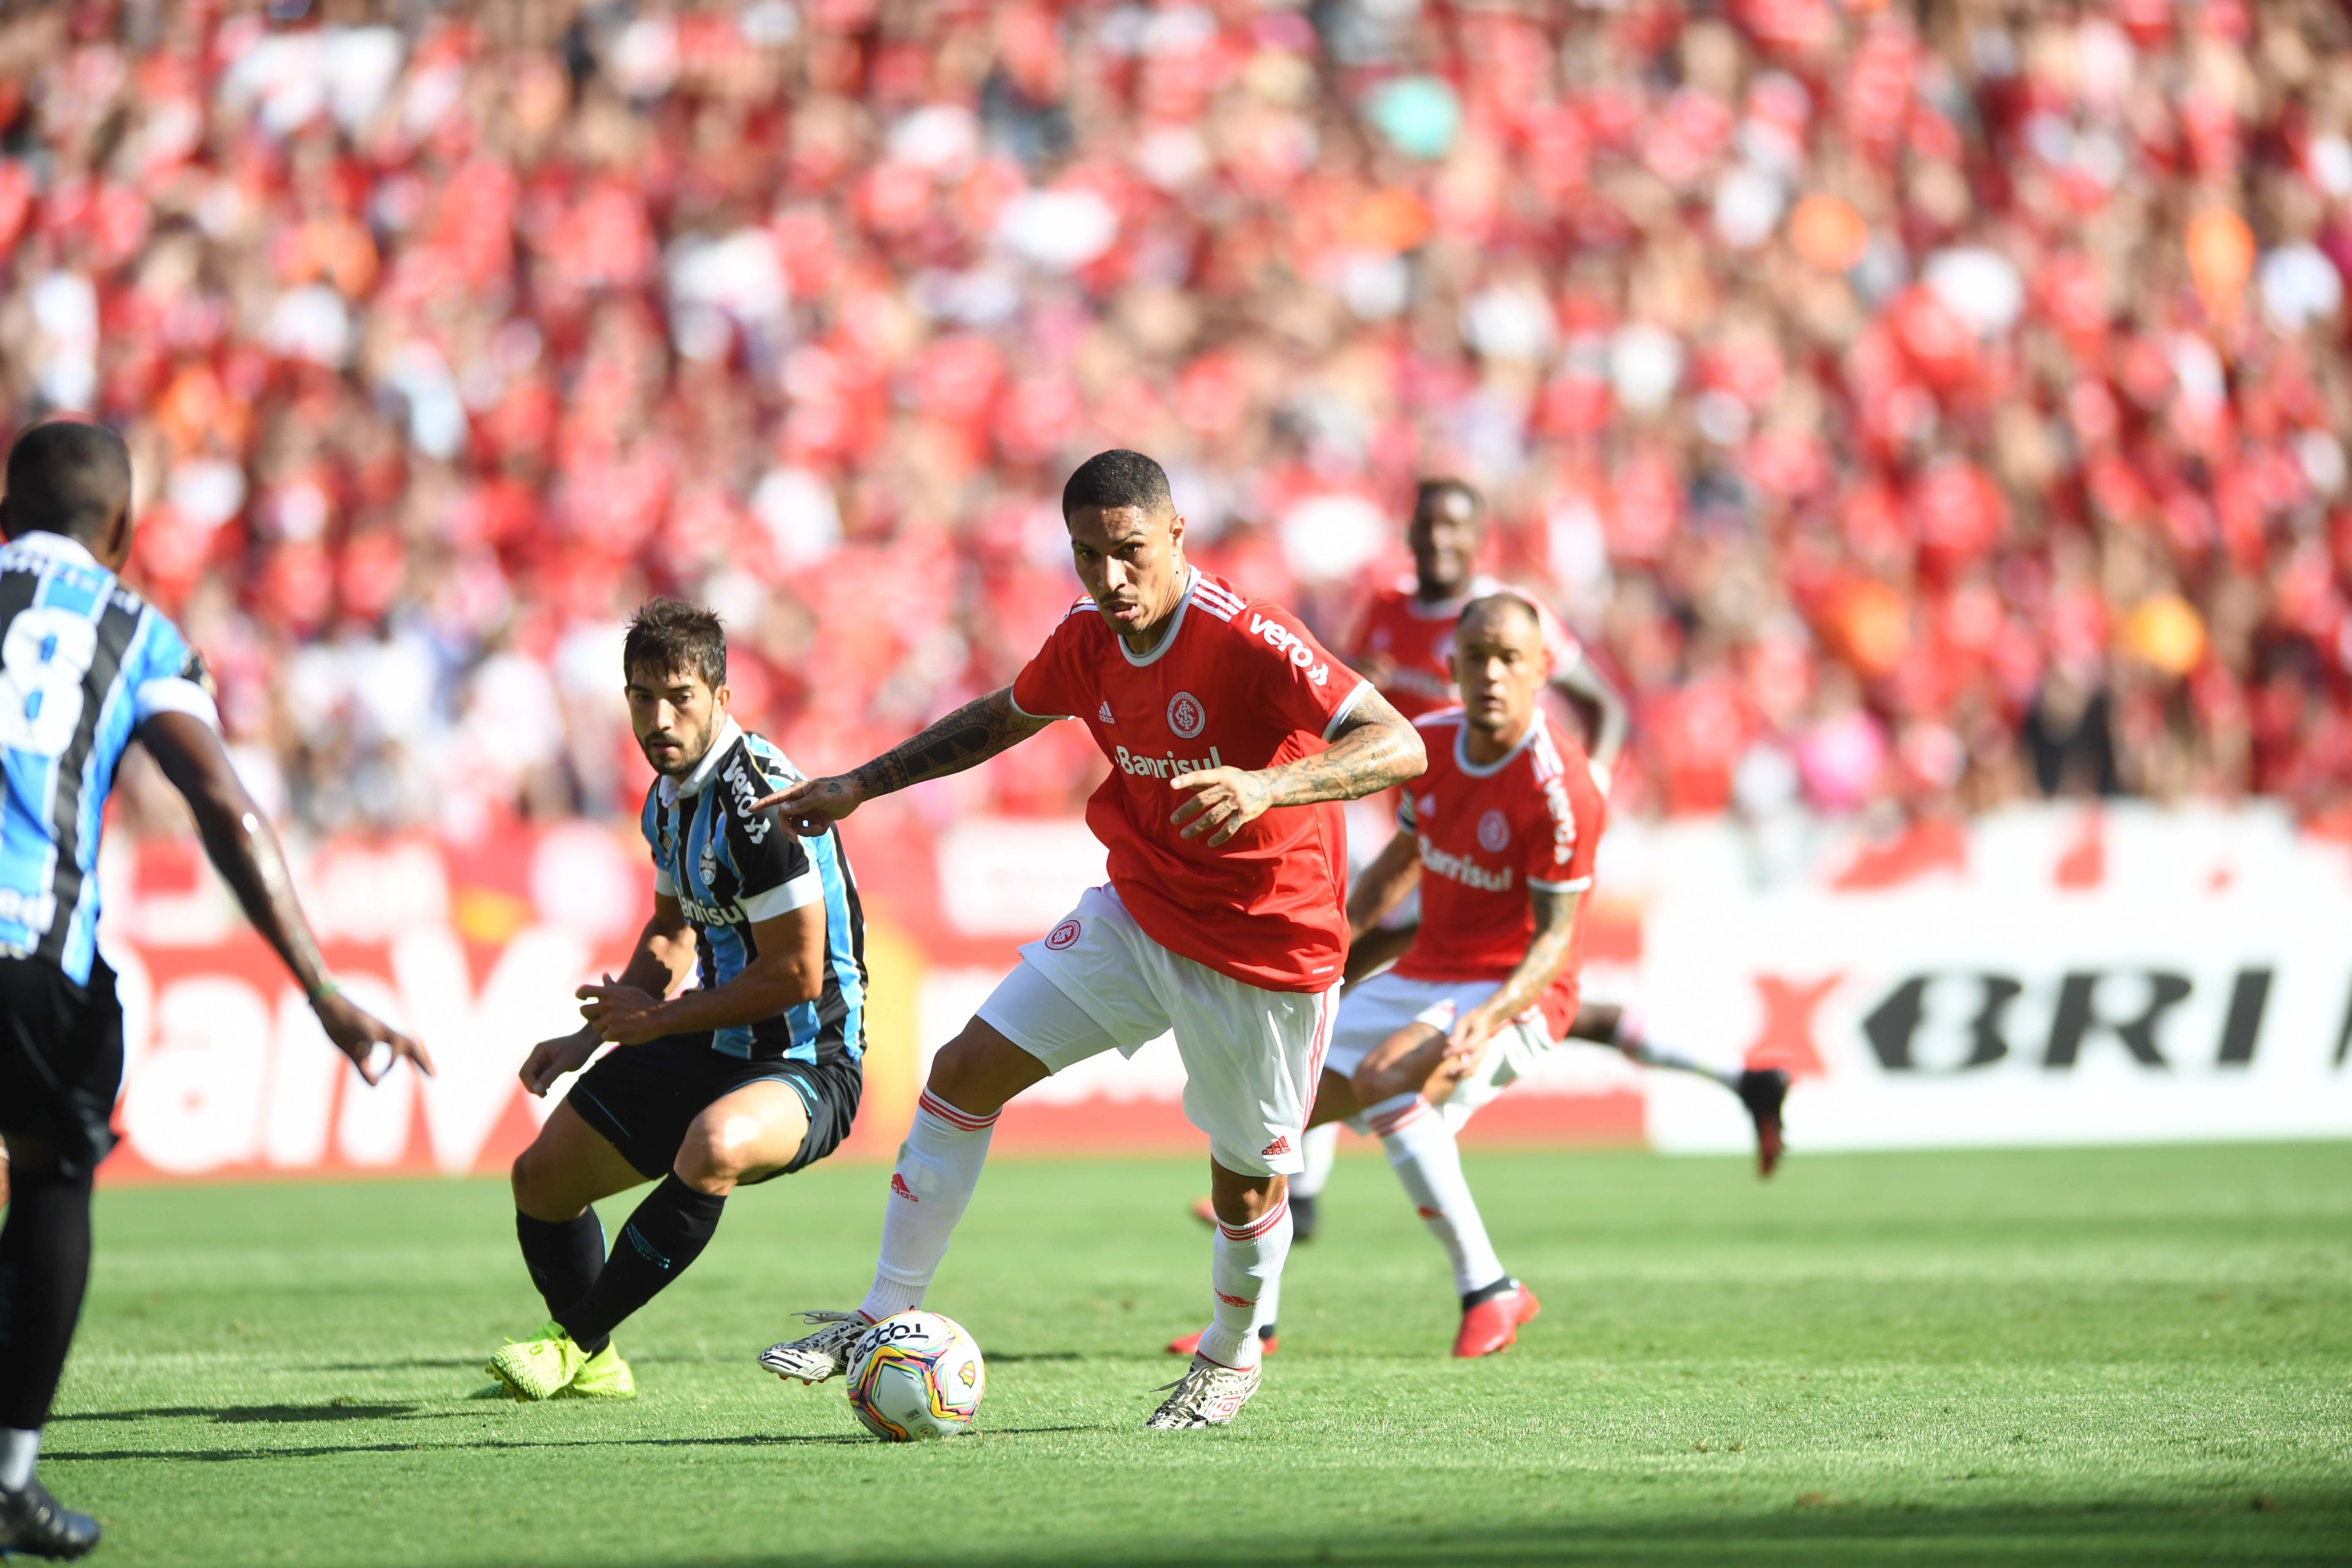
1186,717
1494,832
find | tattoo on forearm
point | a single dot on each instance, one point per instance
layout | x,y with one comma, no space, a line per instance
1547,953
965,738
1376,748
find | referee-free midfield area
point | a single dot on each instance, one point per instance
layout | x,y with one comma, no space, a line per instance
2133,1356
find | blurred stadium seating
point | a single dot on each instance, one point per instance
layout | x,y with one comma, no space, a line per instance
1916,407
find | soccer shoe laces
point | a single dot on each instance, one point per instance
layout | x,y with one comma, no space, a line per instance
1208,1394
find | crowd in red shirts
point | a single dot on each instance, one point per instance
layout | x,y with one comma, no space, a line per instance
1913,406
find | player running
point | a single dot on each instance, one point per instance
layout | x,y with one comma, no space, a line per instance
1500,835
753,1073
86,668
1404,645
1231,734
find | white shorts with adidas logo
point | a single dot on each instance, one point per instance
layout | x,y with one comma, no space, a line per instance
1251,1057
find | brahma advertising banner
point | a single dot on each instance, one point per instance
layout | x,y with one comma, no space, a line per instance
2053,975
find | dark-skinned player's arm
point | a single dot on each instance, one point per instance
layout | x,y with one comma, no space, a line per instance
242,848
787,968
1378,888
1549,952
1611,718
663,958
965,738
1374,747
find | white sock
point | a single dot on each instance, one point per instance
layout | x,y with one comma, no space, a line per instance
1320,1149
1269,1303
939,1166
18,1449
1248,1258
1422,1152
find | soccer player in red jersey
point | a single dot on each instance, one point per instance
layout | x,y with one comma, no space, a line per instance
1233,735
1500,835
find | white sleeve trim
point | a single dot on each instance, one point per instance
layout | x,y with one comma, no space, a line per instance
1576,885
664,885
1346,708
802,891
1024,713
174,694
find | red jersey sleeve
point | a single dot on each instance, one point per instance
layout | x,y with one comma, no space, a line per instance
1564,838
1297,677
1051,684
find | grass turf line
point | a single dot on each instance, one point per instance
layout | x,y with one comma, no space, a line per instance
2128,1355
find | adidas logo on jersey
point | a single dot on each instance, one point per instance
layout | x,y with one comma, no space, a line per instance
1104,713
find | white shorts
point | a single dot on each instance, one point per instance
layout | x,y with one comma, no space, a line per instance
1251,1057
1376,1008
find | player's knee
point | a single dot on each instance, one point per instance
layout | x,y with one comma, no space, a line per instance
1376,1081
971,1074
708,1160
532,1180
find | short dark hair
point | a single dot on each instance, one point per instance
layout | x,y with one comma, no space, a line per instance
669,637
1119,479
66,477
1448,486
1505,601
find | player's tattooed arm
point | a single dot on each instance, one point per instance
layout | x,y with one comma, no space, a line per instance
1550,951
965,738
1375,747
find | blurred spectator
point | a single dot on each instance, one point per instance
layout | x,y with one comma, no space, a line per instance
1914,406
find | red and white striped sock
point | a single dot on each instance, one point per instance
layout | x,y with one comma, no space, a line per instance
937,1167
1422,1152
1248,1262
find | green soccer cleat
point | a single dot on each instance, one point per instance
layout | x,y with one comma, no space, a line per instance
540,1367
604,1377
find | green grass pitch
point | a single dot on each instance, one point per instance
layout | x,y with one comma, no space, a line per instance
2131,1355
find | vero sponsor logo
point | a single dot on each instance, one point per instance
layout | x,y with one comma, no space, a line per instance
1292,646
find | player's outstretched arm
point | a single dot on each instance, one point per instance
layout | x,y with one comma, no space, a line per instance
787,970
245,852
965,738
1375,747
1549,953
1611,718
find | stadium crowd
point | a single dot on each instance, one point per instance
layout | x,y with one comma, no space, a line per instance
1913,407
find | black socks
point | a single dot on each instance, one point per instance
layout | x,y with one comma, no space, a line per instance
44,1265
564,1256
668,1232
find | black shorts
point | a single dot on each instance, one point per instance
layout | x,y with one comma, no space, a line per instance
60,1059
642,1098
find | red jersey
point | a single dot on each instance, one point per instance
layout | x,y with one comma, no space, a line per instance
1415,638
1235,683
1489,833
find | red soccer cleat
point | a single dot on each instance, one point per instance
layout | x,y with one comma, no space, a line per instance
1493,1325
1192,1343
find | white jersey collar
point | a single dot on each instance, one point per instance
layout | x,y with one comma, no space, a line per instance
1488,769
55,547
729,732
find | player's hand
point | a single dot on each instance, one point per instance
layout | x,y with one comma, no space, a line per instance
630,1026
1466,1044
814,805
357,1032
599,1000
1228,798
552,1059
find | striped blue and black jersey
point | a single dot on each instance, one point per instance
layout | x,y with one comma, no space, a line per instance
731,867
83,662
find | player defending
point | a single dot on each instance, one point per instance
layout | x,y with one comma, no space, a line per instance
1232,736
751,1074
86,668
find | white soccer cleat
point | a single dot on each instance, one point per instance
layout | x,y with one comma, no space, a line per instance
815,1357
1207,1395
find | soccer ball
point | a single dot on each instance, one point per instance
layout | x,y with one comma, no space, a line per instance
916,1375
